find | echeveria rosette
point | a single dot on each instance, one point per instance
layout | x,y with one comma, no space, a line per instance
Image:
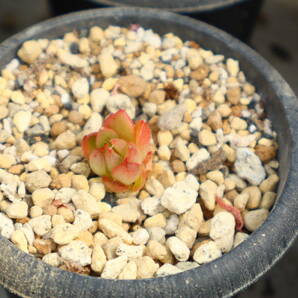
120,152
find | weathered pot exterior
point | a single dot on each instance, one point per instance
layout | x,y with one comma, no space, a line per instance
29,277
237,17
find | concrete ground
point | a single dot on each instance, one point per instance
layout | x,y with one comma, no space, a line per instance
276,39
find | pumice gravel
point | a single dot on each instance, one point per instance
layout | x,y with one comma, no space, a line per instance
214,174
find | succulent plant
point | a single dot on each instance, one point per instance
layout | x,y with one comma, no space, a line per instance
120,152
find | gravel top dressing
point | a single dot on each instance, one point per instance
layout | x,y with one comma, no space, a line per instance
214,171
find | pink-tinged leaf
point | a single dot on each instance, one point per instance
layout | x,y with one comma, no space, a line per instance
142,136
112,159
236,212
104,135
88,144
114,186
139,183
97,162
148,161
133,154
126,172
120,146
121,123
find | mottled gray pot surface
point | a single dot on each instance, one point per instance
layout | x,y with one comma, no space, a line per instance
174,5
27,276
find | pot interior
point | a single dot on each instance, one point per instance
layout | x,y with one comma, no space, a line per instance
273,105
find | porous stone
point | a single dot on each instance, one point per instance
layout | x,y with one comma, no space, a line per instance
41,225
114,267
167,269
178,248
64,233
255,218
206,252
17,210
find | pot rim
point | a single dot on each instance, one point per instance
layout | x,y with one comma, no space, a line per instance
230,273
217,5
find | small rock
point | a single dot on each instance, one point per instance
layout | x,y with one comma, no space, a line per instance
186,265
98,99
80,182
233,67
65,233
97,190
150,108
19,239
146,267
179,198
71,60
197,158
30,51
167,269
111,229
76,252
66,140
152,206
6,161
254,219
270,183
43,163
52,259
268,200
186,234
114,267
241,200
41,225
22,120
98,259
120,101
181,151
207,138
172,118
157,234
3,112
37,180
80,88
6,226
154,187
172,224
208,190
18,97
194,58
94,123
178,248
128,212
254,197
65,194
131,251
239,238
35,211
18,209
132,85
83,200
157,220
107,64
248,166
222,230
206,252
157,97
129,271
82,220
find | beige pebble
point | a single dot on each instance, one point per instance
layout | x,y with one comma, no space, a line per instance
207,138
107,64
97,190
268,200
3,112
254,197
129,271
233,95
167,269
233,67
140,236
159,252
178,248
219,97
146,267
19,239
239,238
79,182
65,140
114,267
100,238
64,233
22,120
193,218
96,34
111,246
222,230
241,200
238,123
84,201
187,235
98,258
181,151
42,197
36,180
270,183
206,252
35,211
207,192
112,229
216,176
157,220
30,51
57,219
164,138
17,209
131,251
167,178
6,161
164,152
128,212
255,218
17,97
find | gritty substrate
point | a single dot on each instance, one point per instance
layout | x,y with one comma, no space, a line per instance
214,165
